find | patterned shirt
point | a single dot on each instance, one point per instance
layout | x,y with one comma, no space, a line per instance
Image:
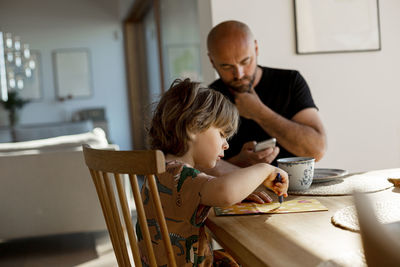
179,188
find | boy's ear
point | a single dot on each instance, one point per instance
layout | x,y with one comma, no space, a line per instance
191,135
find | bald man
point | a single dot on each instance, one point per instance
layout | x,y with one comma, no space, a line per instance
271,102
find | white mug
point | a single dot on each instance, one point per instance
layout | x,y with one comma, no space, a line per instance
300,171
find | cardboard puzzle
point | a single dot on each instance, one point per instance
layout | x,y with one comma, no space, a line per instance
297,205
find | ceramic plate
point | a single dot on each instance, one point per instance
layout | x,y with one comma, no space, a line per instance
325,175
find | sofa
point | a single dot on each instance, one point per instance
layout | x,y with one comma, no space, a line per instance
36,131
46,130
46,188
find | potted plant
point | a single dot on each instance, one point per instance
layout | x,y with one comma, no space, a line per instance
12,105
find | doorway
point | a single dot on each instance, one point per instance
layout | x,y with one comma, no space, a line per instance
162,44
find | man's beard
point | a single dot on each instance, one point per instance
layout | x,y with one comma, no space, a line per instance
243,88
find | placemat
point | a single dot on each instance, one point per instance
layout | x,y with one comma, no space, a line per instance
372,181
386,211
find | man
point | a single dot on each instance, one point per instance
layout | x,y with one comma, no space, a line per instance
271,102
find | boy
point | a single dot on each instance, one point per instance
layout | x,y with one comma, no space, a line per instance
191,126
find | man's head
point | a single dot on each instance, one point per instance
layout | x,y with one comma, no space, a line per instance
187,108
233,53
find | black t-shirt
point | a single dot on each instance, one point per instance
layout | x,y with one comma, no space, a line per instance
284,91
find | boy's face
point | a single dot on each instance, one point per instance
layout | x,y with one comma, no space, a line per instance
208,147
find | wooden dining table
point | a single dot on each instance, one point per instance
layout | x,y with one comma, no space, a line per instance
293,239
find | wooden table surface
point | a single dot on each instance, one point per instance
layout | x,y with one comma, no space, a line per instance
293,239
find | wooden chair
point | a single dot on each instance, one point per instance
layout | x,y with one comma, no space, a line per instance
381,247
103,163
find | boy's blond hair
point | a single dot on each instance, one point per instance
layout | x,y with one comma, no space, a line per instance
189,108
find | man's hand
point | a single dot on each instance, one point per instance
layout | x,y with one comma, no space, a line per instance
248,104
248,157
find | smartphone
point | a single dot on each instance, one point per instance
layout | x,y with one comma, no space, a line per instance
265,144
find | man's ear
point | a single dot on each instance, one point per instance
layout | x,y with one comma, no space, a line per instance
256,47
211,60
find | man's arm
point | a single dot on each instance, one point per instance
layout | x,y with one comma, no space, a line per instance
303,135
221,168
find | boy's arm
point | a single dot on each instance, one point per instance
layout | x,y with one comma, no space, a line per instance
222,167
235,186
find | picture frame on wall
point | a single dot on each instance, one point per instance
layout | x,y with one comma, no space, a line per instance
336,26
72,72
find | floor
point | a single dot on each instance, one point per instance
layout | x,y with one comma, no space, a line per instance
83,250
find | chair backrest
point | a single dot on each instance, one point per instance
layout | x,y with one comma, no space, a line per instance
381,247
103,163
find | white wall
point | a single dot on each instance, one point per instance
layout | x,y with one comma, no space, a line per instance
358,94
48,25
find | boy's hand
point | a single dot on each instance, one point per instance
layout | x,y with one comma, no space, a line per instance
279,188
